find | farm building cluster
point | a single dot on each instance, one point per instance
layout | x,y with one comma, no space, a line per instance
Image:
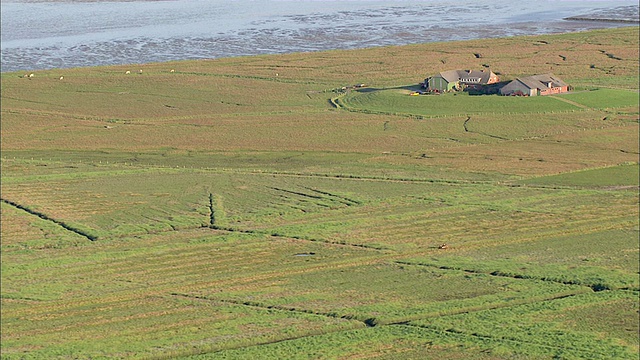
487,82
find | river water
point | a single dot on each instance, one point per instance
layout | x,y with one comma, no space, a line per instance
46,34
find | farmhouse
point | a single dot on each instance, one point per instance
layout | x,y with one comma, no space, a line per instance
457,79
544,84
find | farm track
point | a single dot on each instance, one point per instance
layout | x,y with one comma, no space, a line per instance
560,98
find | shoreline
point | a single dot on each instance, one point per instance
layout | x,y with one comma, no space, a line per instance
116,36
3,72
585,18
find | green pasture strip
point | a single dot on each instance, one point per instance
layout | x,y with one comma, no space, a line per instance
136,202
115,298
398,101
171,262
95,171
600,82
557,323
382,293
608,249
604,98
368,167
465,217
520,127
597,278
614,176
148,326
314,208
386,342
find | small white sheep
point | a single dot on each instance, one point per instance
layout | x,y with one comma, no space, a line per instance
128,72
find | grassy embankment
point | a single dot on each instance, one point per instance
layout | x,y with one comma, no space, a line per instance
221,211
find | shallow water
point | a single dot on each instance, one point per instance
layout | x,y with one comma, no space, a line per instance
41,34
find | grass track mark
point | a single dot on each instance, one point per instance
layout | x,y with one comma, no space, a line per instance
494,306
57,222
342,243
323,195
498,273
560,98
345,200
370,322
296,237
297,193
302,334
466,129
587,353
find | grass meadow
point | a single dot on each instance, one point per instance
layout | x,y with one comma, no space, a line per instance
249,208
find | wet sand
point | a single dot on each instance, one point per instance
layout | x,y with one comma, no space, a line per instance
89,33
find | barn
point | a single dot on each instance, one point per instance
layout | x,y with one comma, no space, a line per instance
544,84
457,79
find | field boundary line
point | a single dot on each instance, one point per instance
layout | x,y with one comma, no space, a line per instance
258,305
493,306
518,276
219,170
585,352
212,349
47,218
297,237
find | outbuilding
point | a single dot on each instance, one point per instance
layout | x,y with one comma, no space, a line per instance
544,84
457,79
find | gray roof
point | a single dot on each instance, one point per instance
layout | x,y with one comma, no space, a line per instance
450,75
532,83
541,81
482,76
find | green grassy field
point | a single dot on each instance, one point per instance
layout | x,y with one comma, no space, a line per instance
223,212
